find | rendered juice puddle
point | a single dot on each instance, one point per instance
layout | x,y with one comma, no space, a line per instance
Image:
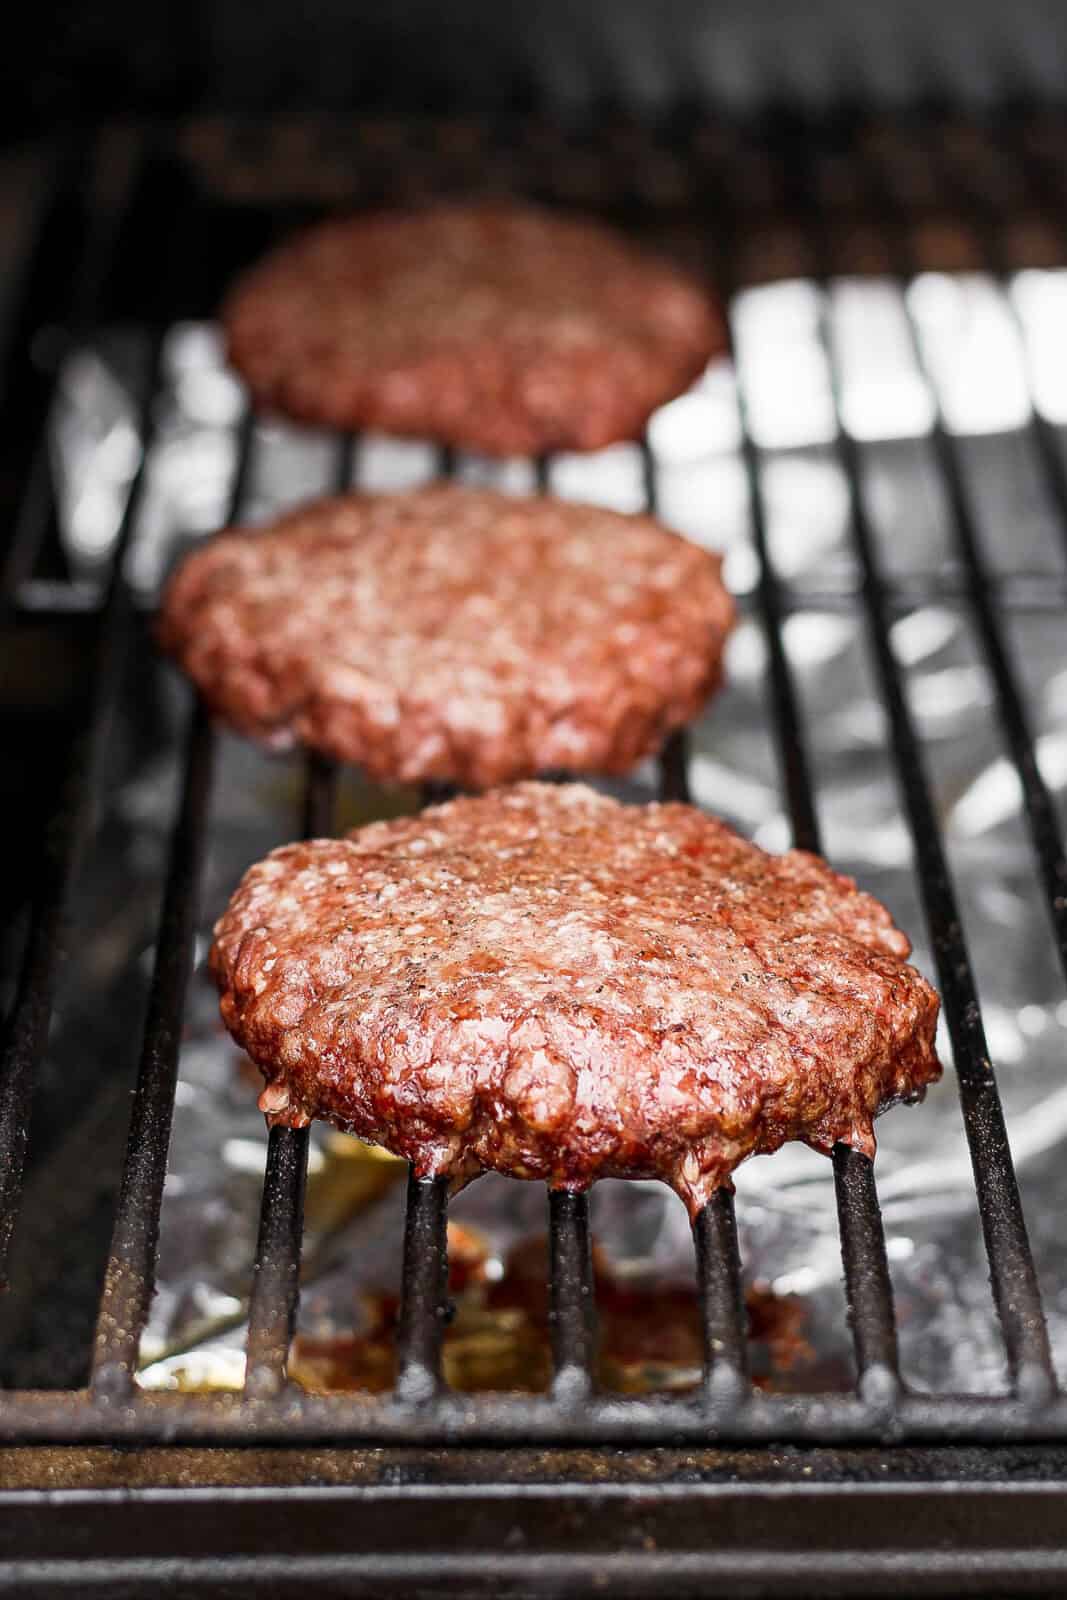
498,1339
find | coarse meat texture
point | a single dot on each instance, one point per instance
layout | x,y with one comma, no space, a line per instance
453,634
494,327
550,984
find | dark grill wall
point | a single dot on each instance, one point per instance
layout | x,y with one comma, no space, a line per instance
645,55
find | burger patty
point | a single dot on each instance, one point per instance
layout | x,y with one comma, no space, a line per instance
453,634
501,328
547,983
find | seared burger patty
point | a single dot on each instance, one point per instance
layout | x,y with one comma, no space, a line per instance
453,634
550,984
501,328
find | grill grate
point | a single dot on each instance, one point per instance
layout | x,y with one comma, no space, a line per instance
422,1411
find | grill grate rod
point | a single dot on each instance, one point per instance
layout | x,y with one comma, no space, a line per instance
65,836
1048,201
793,762
572,1297
129,1278
118,173
351,1420
1012,1272
722,1301
673,760
69,825
868,1286
1046,836
1055,472
1013,1276
320,796
347,462
276,1272
424,1304
674,767
424,1291
718,1259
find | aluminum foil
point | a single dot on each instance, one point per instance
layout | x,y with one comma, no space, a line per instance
991,355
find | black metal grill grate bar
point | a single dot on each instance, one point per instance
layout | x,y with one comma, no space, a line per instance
722,1302
276,1273
114,178
1013,1276
64,841
424,1298
868,1286
298,1418
1012,1273
572,1302
422,1410
674,768
988,222
347,462
867,1282
129,1279
1054,470
793,762
125,183
129,1282
1023,591
718,1262
320,796
1046,834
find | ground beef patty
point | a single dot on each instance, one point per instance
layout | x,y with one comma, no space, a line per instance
453,634
496,327
546,983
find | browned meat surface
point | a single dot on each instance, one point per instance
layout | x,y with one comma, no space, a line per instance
547,983
453,633
496,327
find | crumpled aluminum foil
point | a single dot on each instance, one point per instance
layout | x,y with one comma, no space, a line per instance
989,353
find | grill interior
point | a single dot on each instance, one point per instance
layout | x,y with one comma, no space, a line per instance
146,230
